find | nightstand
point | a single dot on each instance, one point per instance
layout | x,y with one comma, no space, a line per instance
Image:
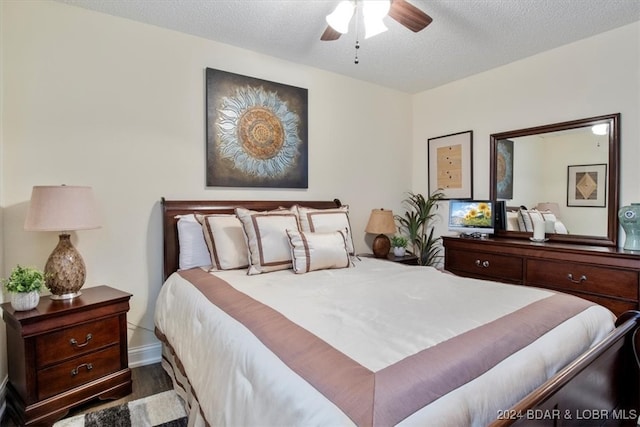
408,258
65,353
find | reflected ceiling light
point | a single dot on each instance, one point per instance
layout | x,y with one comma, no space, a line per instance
374,12
601,129
339,19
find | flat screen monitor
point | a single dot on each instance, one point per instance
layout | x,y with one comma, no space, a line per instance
473,218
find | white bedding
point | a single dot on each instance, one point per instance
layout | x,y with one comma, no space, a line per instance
376,313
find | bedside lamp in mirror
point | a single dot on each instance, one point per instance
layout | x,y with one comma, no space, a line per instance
381,222
63,209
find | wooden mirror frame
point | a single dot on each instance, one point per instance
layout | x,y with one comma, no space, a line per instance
613,177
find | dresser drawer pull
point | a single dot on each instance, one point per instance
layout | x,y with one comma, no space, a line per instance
75,371
582,278
74,342
483,264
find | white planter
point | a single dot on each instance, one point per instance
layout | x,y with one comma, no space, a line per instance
398,251
22,301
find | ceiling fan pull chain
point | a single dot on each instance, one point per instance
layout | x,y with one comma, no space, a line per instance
355,61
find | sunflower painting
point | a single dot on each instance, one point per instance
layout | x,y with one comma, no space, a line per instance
256,132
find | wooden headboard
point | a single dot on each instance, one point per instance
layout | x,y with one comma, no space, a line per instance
171,208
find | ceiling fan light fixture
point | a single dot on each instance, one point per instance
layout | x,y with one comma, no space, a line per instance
374,12
339,19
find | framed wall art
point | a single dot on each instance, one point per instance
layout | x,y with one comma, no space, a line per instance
586,185
450,165
504,169
257,132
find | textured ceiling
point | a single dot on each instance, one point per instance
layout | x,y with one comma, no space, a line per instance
465,38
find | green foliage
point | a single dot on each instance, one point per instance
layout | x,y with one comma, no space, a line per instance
24,279
416,223
399,241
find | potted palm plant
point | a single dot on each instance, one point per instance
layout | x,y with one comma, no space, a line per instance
416,223
24,285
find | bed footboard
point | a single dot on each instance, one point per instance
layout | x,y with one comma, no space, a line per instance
599,388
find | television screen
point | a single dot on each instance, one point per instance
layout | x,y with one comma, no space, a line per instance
471,216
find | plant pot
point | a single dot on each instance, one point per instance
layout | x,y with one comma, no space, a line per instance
399,251
22,301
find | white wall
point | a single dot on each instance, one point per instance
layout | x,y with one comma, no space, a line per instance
596,76
91,99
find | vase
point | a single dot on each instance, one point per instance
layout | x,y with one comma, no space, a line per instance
399,251
22,301
629,217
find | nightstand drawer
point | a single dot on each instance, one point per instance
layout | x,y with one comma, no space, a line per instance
583,278
78,371
75,341
494,266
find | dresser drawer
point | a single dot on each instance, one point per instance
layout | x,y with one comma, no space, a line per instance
77,340
489,265
78,371
583,278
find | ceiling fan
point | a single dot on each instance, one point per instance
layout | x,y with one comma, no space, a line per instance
373,11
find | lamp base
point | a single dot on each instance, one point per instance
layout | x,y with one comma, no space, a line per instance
65,296
64,271
381,246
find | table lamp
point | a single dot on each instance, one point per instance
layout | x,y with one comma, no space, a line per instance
63,208
381,222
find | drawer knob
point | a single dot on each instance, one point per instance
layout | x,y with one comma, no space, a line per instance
483,264
582,278
88,366
74,342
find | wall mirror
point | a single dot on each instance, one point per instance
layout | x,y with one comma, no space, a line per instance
568,168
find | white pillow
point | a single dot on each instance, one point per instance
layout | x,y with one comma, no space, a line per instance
267,241
318,251
326,220
193,249
526,218
226,242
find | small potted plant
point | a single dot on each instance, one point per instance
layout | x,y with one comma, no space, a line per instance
399,245
24,285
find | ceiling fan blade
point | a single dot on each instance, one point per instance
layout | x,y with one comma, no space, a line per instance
330,34
409,15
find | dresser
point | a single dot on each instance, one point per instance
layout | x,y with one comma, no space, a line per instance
64,353
607,276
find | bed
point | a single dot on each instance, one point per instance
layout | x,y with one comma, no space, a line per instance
374,342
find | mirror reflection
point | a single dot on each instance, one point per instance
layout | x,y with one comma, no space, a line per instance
567,171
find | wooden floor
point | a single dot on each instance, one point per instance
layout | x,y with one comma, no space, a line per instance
146,380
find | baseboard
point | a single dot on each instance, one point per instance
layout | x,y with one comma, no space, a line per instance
145,355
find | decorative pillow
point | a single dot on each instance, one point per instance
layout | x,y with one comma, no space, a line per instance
267,241
326,220
318,251
526,218
225,239
193,249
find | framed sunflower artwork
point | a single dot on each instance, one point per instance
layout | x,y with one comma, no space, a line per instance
257,132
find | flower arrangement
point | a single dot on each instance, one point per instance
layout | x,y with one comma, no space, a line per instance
24,280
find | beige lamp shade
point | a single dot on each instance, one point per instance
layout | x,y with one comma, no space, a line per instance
63,208
381,222
552,207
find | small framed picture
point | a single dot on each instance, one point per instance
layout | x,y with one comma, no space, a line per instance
587,185
450,164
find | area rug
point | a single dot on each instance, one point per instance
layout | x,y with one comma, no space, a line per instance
158,410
